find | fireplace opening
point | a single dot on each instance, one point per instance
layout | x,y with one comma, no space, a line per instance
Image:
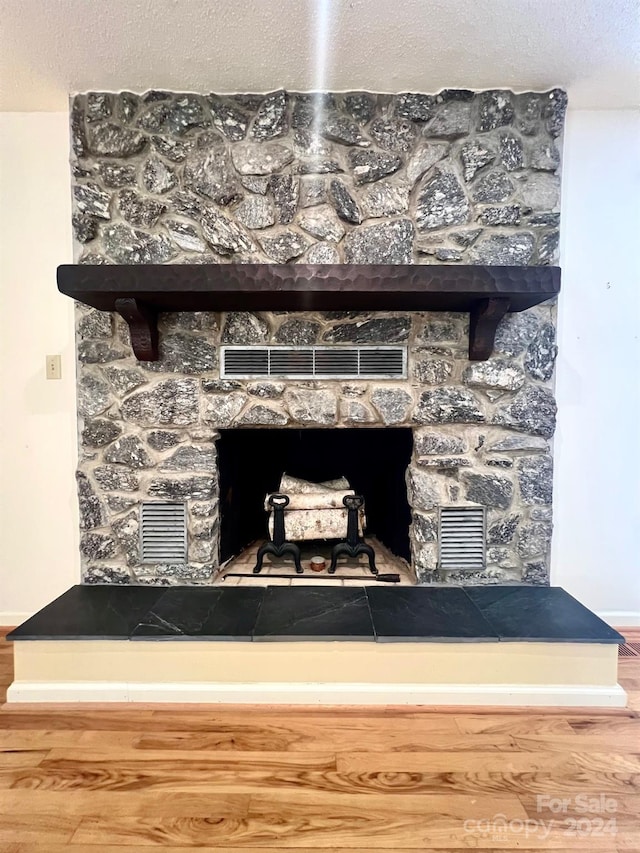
251,463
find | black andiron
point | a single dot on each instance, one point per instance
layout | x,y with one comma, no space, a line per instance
278,545
354,545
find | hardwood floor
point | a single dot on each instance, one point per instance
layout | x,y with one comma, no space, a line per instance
120,779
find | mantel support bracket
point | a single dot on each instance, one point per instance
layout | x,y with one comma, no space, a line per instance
142,320
484,318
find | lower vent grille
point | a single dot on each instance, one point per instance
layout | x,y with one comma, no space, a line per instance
163,532
314,362
461,538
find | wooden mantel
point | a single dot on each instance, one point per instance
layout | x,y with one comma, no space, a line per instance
140,293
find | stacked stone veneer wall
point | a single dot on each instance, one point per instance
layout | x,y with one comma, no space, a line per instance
352,178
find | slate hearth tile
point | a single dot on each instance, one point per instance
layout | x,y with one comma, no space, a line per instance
87,612
540,613
314,613
427,614
197,613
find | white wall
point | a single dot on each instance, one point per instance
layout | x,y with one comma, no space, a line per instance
596,548
38,514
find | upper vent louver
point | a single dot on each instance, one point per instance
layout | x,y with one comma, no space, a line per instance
163,532
368,362
461,538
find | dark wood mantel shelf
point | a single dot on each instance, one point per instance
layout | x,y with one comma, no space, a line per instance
140,293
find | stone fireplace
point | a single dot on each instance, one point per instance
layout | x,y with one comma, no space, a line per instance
356,178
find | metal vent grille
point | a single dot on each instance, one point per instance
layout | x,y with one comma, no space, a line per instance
314,362
461,538
163,532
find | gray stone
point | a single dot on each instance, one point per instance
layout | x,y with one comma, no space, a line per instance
340,128
488,490
116,175
448,405
312,191
393,134
217,386
266,390
124,379
355,390
541,354
255,183
228,119
534,539
442,331
94,259
110,140
185,114
223,234
533,411
173,401
529,113
535,474
465,238
298,332
260,415
191,488
78,135
92,200
98,352
448,255
209,173
97,546
255,212
309,107
204,529
536,573
157,177
252,158
504,250
106,575
384,199
98,432
85,228
129,451
452,119
429,442
344,203
285,245
91,510
380,330
553,111
184,353
393,404
545,157
323,224
95,324
153,117
493,187
414,106
508,215
496,110
161,439
85,489
424,489
138,210
242,327
426,155
271,118
126,245
222,409
172,149
432,371
444,462
93,396
539,191
185,236
424,528
360,105
496,373
503,530
322,253
127,531
548,250
505,558
441,201
286,191
203,510
112,478
312,407
500,463
516,332
191,459
387,243
511,152
517,443
370,166
355,412
474,156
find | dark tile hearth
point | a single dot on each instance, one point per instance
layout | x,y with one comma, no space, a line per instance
428,614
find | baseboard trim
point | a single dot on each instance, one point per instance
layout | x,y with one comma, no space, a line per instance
500,695
621,618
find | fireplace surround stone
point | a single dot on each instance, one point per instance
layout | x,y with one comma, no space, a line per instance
455,177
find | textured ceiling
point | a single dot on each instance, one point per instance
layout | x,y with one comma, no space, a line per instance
49,48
